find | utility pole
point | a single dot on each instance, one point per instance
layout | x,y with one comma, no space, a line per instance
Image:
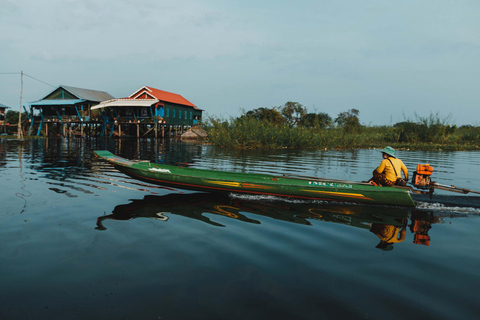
19,128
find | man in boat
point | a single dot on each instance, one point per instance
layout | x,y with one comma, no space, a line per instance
389,169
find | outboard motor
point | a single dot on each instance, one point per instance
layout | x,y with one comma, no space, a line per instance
421,177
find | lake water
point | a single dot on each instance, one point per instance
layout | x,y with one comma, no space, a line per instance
80,240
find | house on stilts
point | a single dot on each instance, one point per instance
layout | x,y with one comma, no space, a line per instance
65,111
3,114
148,112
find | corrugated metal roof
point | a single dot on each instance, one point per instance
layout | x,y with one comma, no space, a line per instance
87,94
3,106
63,102
126,103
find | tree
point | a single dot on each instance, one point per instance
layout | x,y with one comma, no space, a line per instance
269,114
293,112
12,116
316,120
349,121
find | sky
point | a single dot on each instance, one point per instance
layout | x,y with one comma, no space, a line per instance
393,60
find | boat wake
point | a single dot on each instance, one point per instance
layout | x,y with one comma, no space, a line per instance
272,199
268,198
436,206
448,204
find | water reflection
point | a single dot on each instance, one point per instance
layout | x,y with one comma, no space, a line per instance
389,234
297,260
388,224
421,223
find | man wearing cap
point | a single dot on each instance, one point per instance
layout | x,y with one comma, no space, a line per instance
389,169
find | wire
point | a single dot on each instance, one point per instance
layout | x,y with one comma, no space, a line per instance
39,80
48,84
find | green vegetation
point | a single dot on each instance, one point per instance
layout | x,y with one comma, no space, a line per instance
12,116
290,126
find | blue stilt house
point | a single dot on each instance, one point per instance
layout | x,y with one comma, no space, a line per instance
64,105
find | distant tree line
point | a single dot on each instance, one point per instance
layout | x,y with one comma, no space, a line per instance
291,126
295,114
422,129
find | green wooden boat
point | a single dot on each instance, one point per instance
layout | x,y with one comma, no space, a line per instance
264,184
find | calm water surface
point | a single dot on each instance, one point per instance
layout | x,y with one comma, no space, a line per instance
80,240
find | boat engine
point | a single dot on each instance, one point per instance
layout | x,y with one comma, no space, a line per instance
421,177
421,180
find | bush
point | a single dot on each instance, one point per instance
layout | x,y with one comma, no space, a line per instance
428,129
470,134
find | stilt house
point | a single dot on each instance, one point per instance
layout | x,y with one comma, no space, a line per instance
150,105
65,105
3,111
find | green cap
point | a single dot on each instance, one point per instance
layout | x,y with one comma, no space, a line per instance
389,150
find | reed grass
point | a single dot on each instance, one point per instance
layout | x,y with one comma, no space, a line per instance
250,133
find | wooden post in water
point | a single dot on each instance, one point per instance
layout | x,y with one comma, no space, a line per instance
19,128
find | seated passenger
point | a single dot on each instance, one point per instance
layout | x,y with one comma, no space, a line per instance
389,169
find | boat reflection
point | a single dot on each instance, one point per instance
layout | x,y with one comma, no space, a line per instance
389,224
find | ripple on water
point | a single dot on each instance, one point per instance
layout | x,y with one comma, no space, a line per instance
226,257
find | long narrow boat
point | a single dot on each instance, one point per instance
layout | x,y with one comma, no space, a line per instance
265,184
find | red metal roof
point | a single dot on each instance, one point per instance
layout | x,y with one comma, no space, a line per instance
152,93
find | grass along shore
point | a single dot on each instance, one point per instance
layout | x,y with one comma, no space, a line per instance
252,133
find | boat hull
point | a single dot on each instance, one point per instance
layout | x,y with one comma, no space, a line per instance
264,184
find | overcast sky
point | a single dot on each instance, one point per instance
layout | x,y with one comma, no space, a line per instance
389,59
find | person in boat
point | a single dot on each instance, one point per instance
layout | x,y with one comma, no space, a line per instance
389,170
